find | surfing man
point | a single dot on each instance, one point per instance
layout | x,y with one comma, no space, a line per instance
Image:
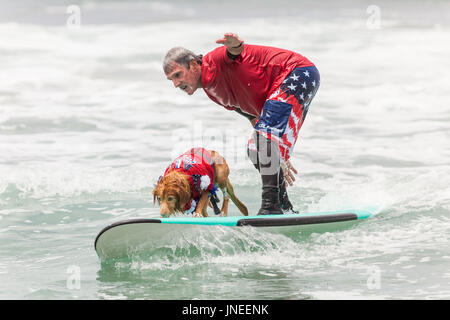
271,87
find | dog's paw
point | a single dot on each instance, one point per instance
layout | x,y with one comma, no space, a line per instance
222,214
197,215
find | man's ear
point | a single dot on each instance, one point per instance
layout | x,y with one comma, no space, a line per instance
193,64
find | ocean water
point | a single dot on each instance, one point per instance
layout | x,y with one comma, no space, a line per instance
88,123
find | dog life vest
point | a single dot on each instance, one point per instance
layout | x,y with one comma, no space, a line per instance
196,163
245,82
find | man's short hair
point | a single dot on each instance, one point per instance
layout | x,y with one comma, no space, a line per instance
180,55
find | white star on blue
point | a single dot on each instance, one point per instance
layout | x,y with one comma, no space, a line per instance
294,77
305,89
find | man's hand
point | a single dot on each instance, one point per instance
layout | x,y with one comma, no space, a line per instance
289,171
234,44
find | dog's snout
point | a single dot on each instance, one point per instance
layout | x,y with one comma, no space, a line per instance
164,210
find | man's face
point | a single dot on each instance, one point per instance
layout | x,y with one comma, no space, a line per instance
186,79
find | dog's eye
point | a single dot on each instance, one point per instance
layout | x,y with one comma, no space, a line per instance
159,199
170,198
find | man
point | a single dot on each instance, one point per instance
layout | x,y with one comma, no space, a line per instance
272,87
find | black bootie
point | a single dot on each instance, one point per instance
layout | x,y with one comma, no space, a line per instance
283,198
269,166
270,203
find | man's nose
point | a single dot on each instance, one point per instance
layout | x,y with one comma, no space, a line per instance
176,83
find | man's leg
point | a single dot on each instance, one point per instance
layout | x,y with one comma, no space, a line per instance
283,197
268,130
277,130
269,166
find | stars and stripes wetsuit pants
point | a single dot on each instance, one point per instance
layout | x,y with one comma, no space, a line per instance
285,110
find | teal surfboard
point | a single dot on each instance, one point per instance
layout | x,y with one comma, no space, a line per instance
126,237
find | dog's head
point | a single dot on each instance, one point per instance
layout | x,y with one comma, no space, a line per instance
173,192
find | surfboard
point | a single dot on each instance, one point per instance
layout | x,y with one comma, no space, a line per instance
126,237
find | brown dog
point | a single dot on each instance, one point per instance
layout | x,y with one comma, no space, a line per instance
174,190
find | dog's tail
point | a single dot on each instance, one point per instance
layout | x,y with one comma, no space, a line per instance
242,208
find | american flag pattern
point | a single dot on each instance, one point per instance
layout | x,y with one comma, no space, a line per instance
197,164
286,108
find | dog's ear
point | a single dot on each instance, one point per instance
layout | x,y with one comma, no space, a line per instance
154,197
156,191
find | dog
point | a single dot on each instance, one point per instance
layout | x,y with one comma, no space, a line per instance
189,184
